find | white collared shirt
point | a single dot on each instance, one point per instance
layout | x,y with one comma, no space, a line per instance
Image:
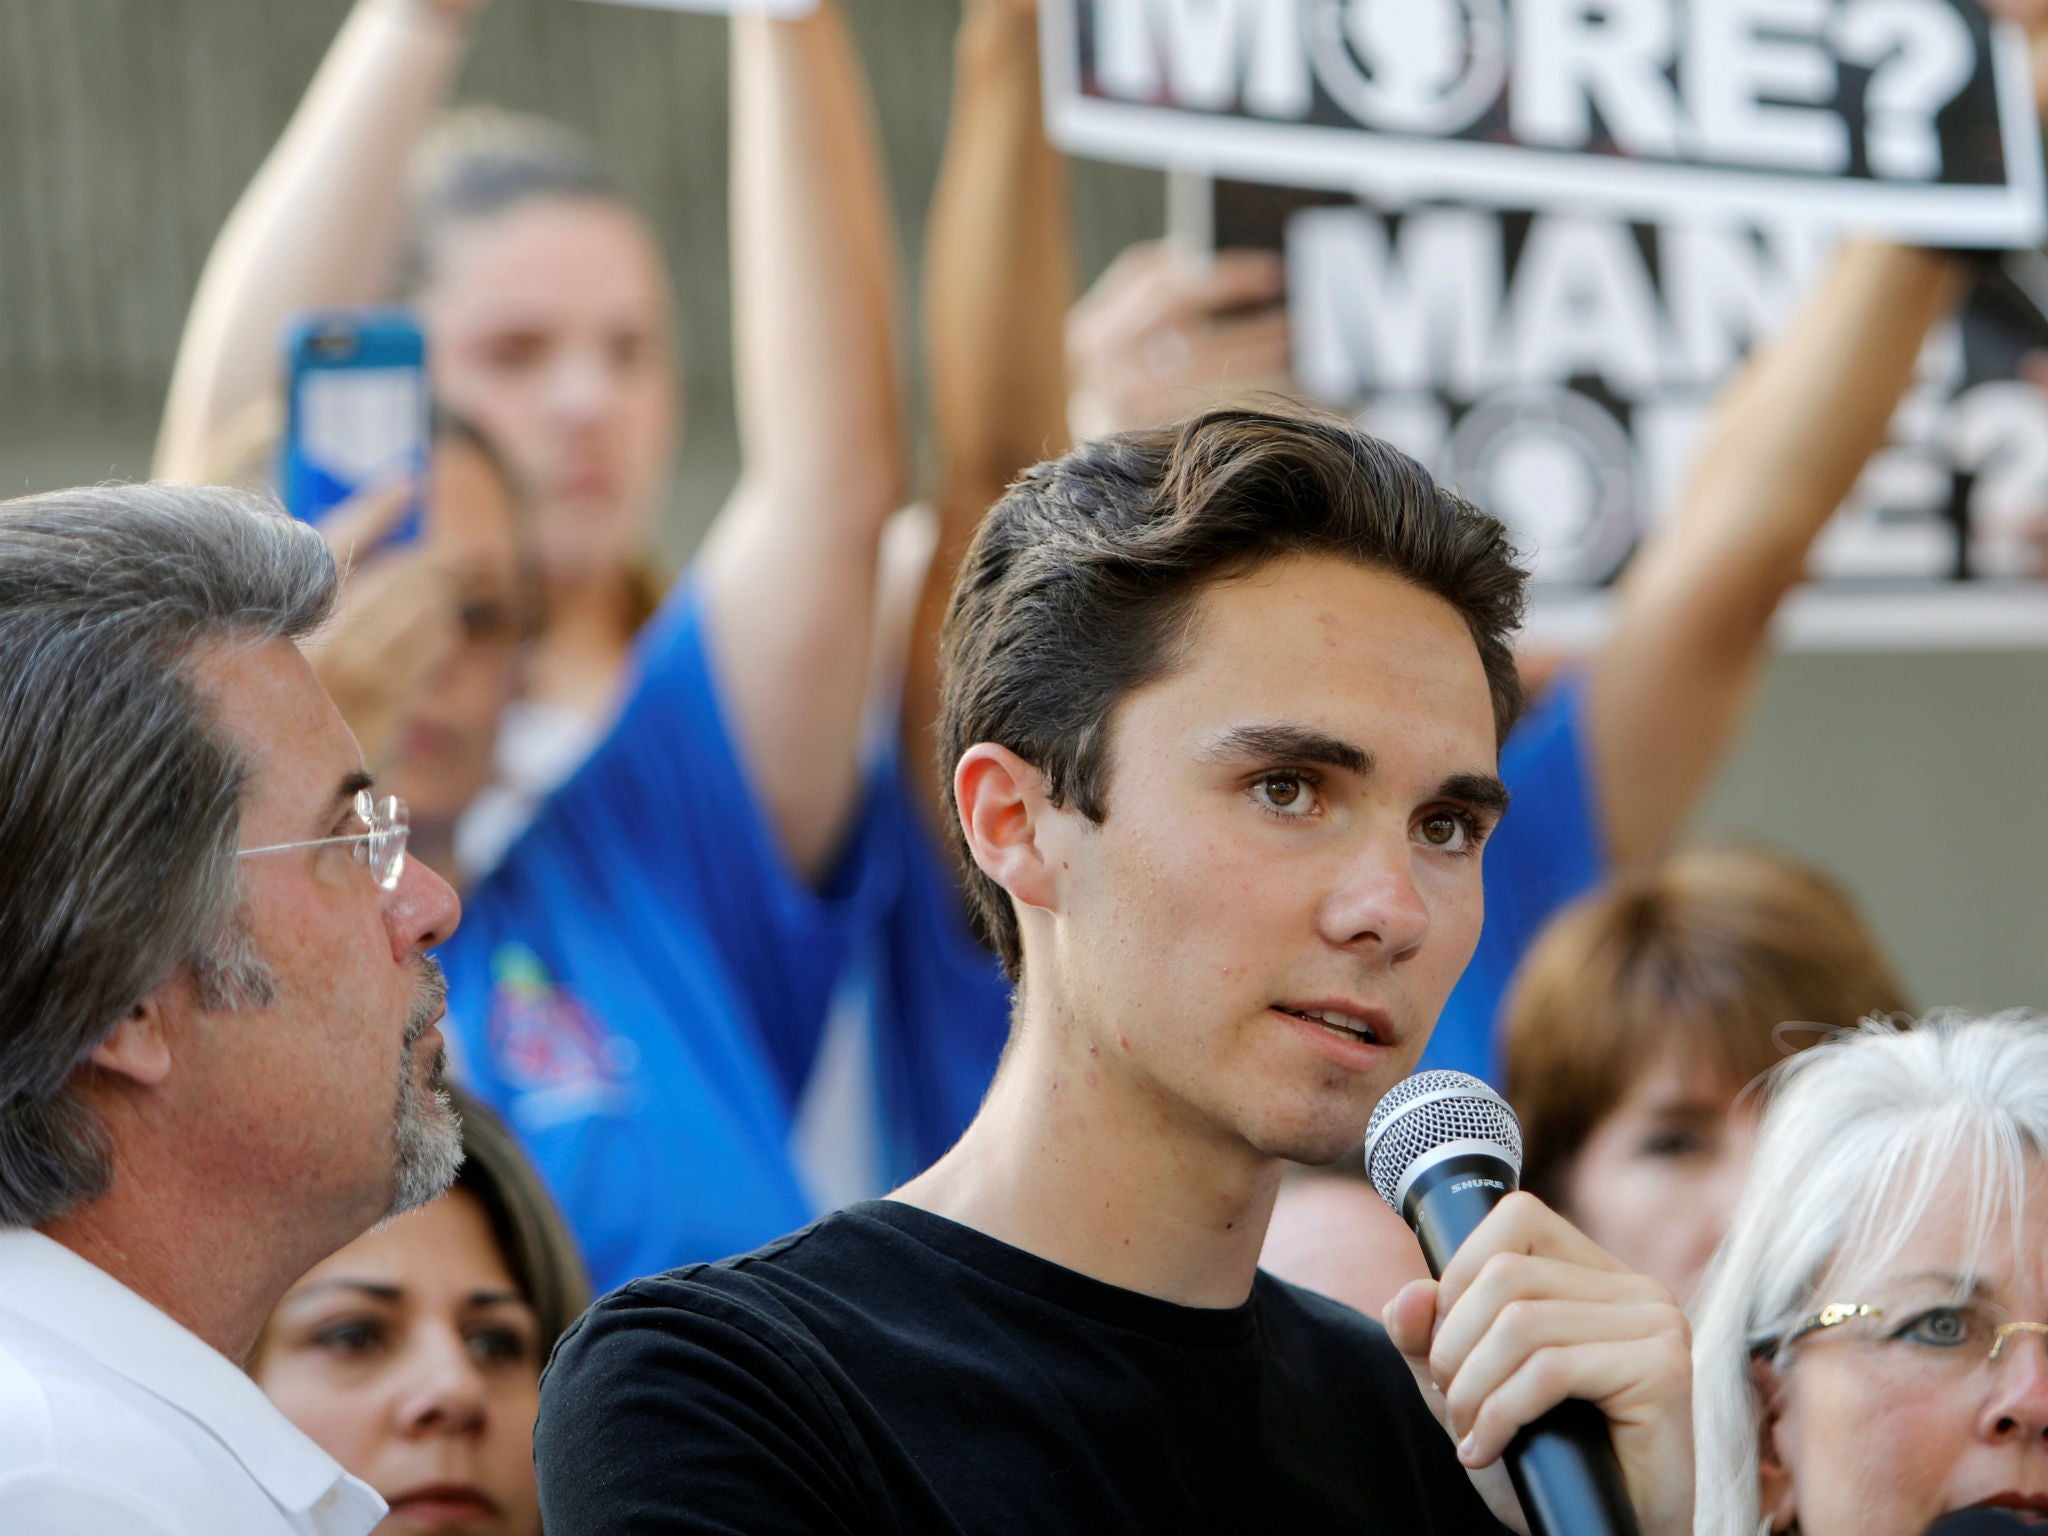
116,1421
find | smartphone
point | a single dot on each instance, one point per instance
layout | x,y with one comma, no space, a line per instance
357,411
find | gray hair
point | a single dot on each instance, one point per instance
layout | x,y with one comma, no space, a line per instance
122,799
1859,1137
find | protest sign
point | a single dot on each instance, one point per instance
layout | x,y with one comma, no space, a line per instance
1557,367
1911,116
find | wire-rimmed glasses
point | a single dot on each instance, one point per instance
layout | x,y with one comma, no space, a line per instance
1964,1333
381,846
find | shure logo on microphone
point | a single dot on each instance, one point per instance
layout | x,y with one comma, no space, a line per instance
1464,1184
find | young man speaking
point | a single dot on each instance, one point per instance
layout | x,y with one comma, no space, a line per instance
1222,710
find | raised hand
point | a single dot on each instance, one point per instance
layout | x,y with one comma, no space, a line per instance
1163,335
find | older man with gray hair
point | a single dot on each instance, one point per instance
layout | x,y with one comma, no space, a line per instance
218,1054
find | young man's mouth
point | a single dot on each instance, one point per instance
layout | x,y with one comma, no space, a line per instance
1346,1025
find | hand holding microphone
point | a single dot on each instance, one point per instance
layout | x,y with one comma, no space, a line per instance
1528,1316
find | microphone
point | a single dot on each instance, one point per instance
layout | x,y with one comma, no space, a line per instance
1980,1522
1443,1149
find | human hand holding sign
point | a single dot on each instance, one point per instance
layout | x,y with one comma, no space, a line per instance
1164,334
1530,1312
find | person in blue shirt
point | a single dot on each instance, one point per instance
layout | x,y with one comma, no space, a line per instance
649,967
645,976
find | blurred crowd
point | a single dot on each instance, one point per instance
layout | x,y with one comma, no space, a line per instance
715,972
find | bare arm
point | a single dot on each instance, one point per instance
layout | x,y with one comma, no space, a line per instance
789,570
1787,441
999,275
322,220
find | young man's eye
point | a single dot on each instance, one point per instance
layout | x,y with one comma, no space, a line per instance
1452,831
1288,795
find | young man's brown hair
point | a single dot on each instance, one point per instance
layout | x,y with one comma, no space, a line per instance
1081,584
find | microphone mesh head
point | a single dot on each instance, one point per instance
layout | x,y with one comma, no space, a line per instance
1424,1112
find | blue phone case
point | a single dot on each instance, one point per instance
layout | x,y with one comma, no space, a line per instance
358,411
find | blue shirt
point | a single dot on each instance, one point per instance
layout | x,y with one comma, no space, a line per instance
941,1006
639,988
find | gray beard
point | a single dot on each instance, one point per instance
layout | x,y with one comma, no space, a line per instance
427,1131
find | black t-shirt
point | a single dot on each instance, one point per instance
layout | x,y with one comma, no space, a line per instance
886,1369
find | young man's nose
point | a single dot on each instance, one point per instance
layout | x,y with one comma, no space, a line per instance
1378,905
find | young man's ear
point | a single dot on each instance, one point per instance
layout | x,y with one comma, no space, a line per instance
1005,814
1775,1494
138,1049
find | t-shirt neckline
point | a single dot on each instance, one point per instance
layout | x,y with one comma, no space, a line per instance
1098,1301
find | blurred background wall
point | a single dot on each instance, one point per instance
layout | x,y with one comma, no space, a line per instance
128,127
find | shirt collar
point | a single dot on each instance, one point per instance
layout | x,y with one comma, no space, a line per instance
57,1290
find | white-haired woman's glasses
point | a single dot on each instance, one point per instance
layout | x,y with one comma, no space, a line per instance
1914,1341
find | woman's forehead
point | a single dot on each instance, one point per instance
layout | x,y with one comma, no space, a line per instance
520,256
1977,1235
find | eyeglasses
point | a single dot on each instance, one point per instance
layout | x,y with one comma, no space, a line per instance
1947,1339
381,846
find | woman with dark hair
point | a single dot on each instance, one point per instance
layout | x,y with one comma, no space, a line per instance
413,1355
1640,1017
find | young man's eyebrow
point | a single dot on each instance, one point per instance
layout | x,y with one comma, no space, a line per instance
1480,791
1290,744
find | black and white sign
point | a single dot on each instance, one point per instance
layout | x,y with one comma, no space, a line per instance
1557,367
1911,116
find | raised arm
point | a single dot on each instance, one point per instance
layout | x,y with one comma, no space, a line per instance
1788,439
321,222
999,275
1787,442
788,573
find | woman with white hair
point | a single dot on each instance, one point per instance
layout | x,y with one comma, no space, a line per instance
1870,1352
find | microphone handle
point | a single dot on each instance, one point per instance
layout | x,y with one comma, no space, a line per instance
1562,1464
1565,1473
